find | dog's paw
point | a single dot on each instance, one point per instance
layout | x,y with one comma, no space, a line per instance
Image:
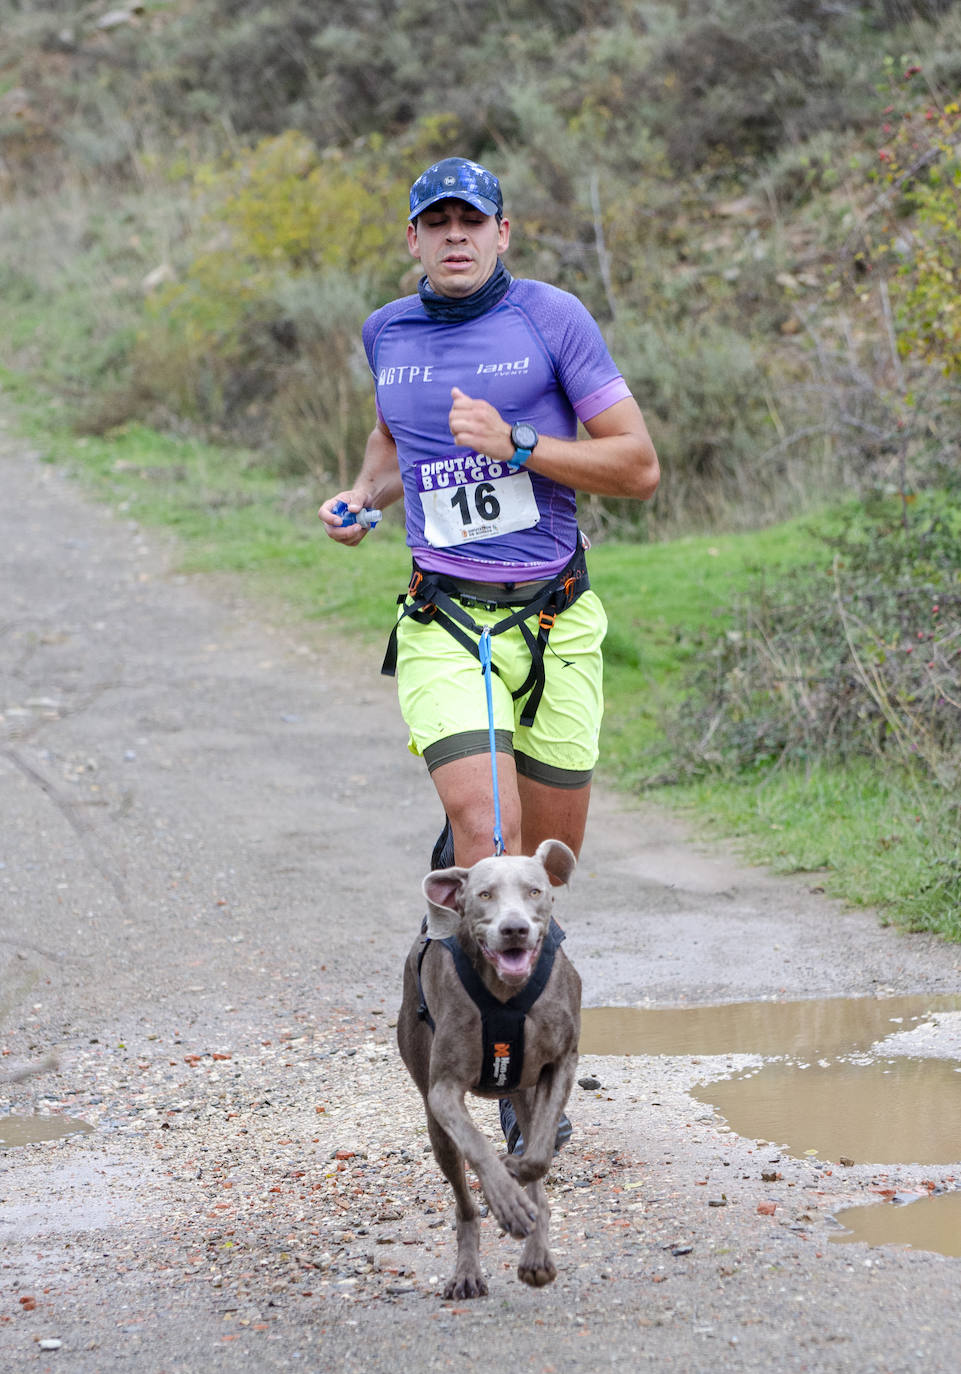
463,1286
513,1209
537,1270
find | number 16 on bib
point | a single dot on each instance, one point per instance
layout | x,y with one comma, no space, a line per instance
482,502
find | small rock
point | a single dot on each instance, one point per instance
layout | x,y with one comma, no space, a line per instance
51,1343
588,1084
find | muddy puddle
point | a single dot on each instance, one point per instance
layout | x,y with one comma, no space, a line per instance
902,1111
29,1130
815,1027
926,1223
823,1095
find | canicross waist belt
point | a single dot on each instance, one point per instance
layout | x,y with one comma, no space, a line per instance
502,1022
447,601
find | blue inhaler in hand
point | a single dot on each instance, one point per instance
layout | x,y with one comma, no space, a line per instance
366,518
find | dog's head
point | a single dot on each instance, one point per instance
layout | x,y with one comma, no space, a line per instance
502,904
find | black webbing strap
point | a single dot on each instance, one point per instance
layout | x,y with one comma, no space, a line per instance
434,597
502,1022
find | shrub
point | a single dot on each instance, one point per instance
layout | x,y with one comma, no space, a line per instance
926,283
751,77
701,388
261,331
861,656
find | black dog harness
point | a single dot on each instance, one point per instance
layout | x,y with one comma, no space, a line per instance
502,1022
433,596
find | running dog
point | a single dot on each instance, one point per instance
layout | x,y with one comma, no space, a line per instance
491,1005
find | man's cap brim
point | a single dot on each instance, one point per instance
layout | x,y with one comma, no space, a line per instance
486,207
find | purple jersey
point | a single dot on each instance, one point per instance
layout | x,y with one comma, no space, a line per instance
536,356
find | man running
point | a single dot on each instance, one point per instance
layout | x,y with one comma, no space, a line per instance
480,382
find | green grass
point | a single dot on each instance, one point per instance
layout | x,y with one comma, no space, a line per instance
870,835
661,599
867,835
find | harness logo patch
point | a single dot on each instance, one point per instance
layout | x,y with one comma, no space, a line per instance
502,1063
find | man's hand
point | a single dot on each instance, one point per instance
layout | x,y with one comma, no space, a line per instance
476,424
334,525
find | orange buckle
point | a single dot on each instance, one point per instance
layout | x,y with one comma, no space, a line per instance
546,619
415,583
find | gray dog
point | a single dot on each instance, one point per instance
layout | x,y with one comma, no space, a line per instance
491,1006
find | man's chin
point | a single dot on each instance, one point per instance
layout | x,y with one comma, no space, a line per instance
457,288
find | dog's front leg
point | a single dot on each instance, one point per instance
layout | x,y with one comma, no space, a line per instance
511,1206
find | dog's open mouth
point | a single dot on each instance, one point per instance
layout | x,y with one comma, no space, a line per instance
513,964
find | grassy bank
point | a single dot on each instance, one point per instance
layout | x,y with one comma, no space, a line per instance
869,832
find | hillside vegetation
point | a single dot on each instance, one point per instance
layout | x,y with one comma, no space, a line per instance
759,200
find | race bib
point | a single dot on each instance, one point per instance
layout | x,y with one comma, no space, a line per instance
468,496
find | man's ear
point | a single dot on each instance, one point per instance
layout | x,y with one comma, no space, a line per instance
443,889
412,241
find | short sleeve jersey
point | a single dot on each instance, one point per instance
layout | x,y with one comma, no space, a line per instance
538,356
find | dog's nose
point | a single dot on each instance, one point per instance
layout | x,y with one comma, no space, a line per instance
514,930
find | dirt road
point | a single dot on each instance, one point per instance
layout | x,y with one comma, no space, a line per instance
211,845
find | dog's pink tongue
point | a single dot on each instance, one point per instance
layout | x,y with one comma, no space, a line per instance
513,963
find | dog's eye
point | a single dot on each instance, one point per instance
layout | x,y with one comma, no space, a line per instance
485,896
536,891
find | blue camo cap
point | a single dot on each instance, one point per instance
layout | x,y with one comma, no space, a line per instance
457,179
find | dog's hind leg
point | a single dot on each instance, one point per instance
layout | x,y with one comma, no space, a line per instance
467,1280
536,1266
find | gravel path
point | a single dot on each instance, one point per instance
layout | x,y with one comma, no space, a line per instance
211,844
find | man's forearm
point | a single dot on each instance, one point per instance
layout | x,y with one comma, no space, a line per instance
378,482
614,465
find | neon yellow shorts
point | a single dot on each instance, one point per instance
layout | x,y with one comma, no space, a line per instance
442,694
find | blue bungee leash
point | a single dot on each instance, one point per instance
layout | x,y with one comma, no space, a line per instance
484,647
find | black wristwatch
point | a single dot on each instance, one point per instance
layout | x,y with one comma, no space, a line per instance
523,436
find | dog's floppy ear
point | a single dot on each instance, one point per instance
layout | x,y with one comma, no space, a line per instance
557,859
443,888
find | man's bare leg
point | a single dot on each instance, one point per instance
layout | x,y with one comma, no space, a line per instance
552,813
466,792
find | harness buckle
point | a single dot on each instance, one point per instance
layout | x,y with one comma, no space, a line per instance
474,603
546,619
416,581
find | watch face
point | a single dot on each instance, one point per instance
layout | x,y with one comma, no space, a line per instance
524,436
